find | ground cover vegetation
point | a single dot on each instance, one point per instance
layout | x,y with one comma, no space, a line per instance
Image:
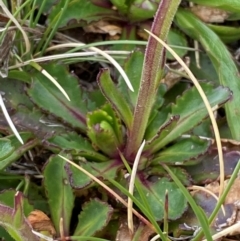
120,120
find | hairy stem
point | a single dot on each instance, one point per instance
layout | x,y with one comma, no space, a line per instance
152,69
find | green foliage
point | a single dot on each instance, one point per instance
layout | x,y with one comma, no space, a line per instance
13,150
83,12
59,192
42,92
177,39
114,97
14,221
222,61
191,110
94,217
104,130
155,195
99,127
105,170
227,5
182,151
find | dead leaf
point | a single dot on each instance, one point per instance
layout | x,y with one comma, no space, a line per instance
41,222
103,27
210,15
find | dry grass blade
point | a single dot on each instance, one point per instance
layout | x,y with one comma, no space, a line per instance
209,192
45,73
10,123
225,232
42,236
131,187
208,107
14,20
144,220
107,56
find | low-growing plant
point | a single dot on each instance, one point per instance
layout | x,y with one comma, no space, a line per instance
101,129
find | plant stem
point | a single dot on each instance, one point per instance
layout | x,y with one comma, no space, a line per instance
152,69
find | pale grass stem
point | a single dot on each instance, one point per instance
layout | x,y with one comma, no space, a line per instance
199,188
64,56
9,121
227,231
45,73
131,187
108,57
61,228
42,236
14,20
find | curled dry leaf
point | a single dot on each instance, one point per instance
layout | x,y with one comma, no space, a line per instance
210,15
41,222
103,27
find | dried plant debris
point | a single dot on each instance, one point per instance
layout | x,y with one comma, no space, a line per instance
41,222
209,14
103,27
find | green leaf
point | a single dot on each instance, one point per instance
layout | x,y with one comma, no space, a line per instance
155,195
122,5
176,38
182,151
15,223
19,75
7,197
76,145
81,11
207,70
142,9
94,216
191,110
33,120
133,69
159,123
14,93
72,140
18,211
46,95
47,6
103,170
226,33
6,149
115,123
18,148
5,235
201,216
227,5
162,133
154,60
59,192
104,130
159,171
221,58
114,97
